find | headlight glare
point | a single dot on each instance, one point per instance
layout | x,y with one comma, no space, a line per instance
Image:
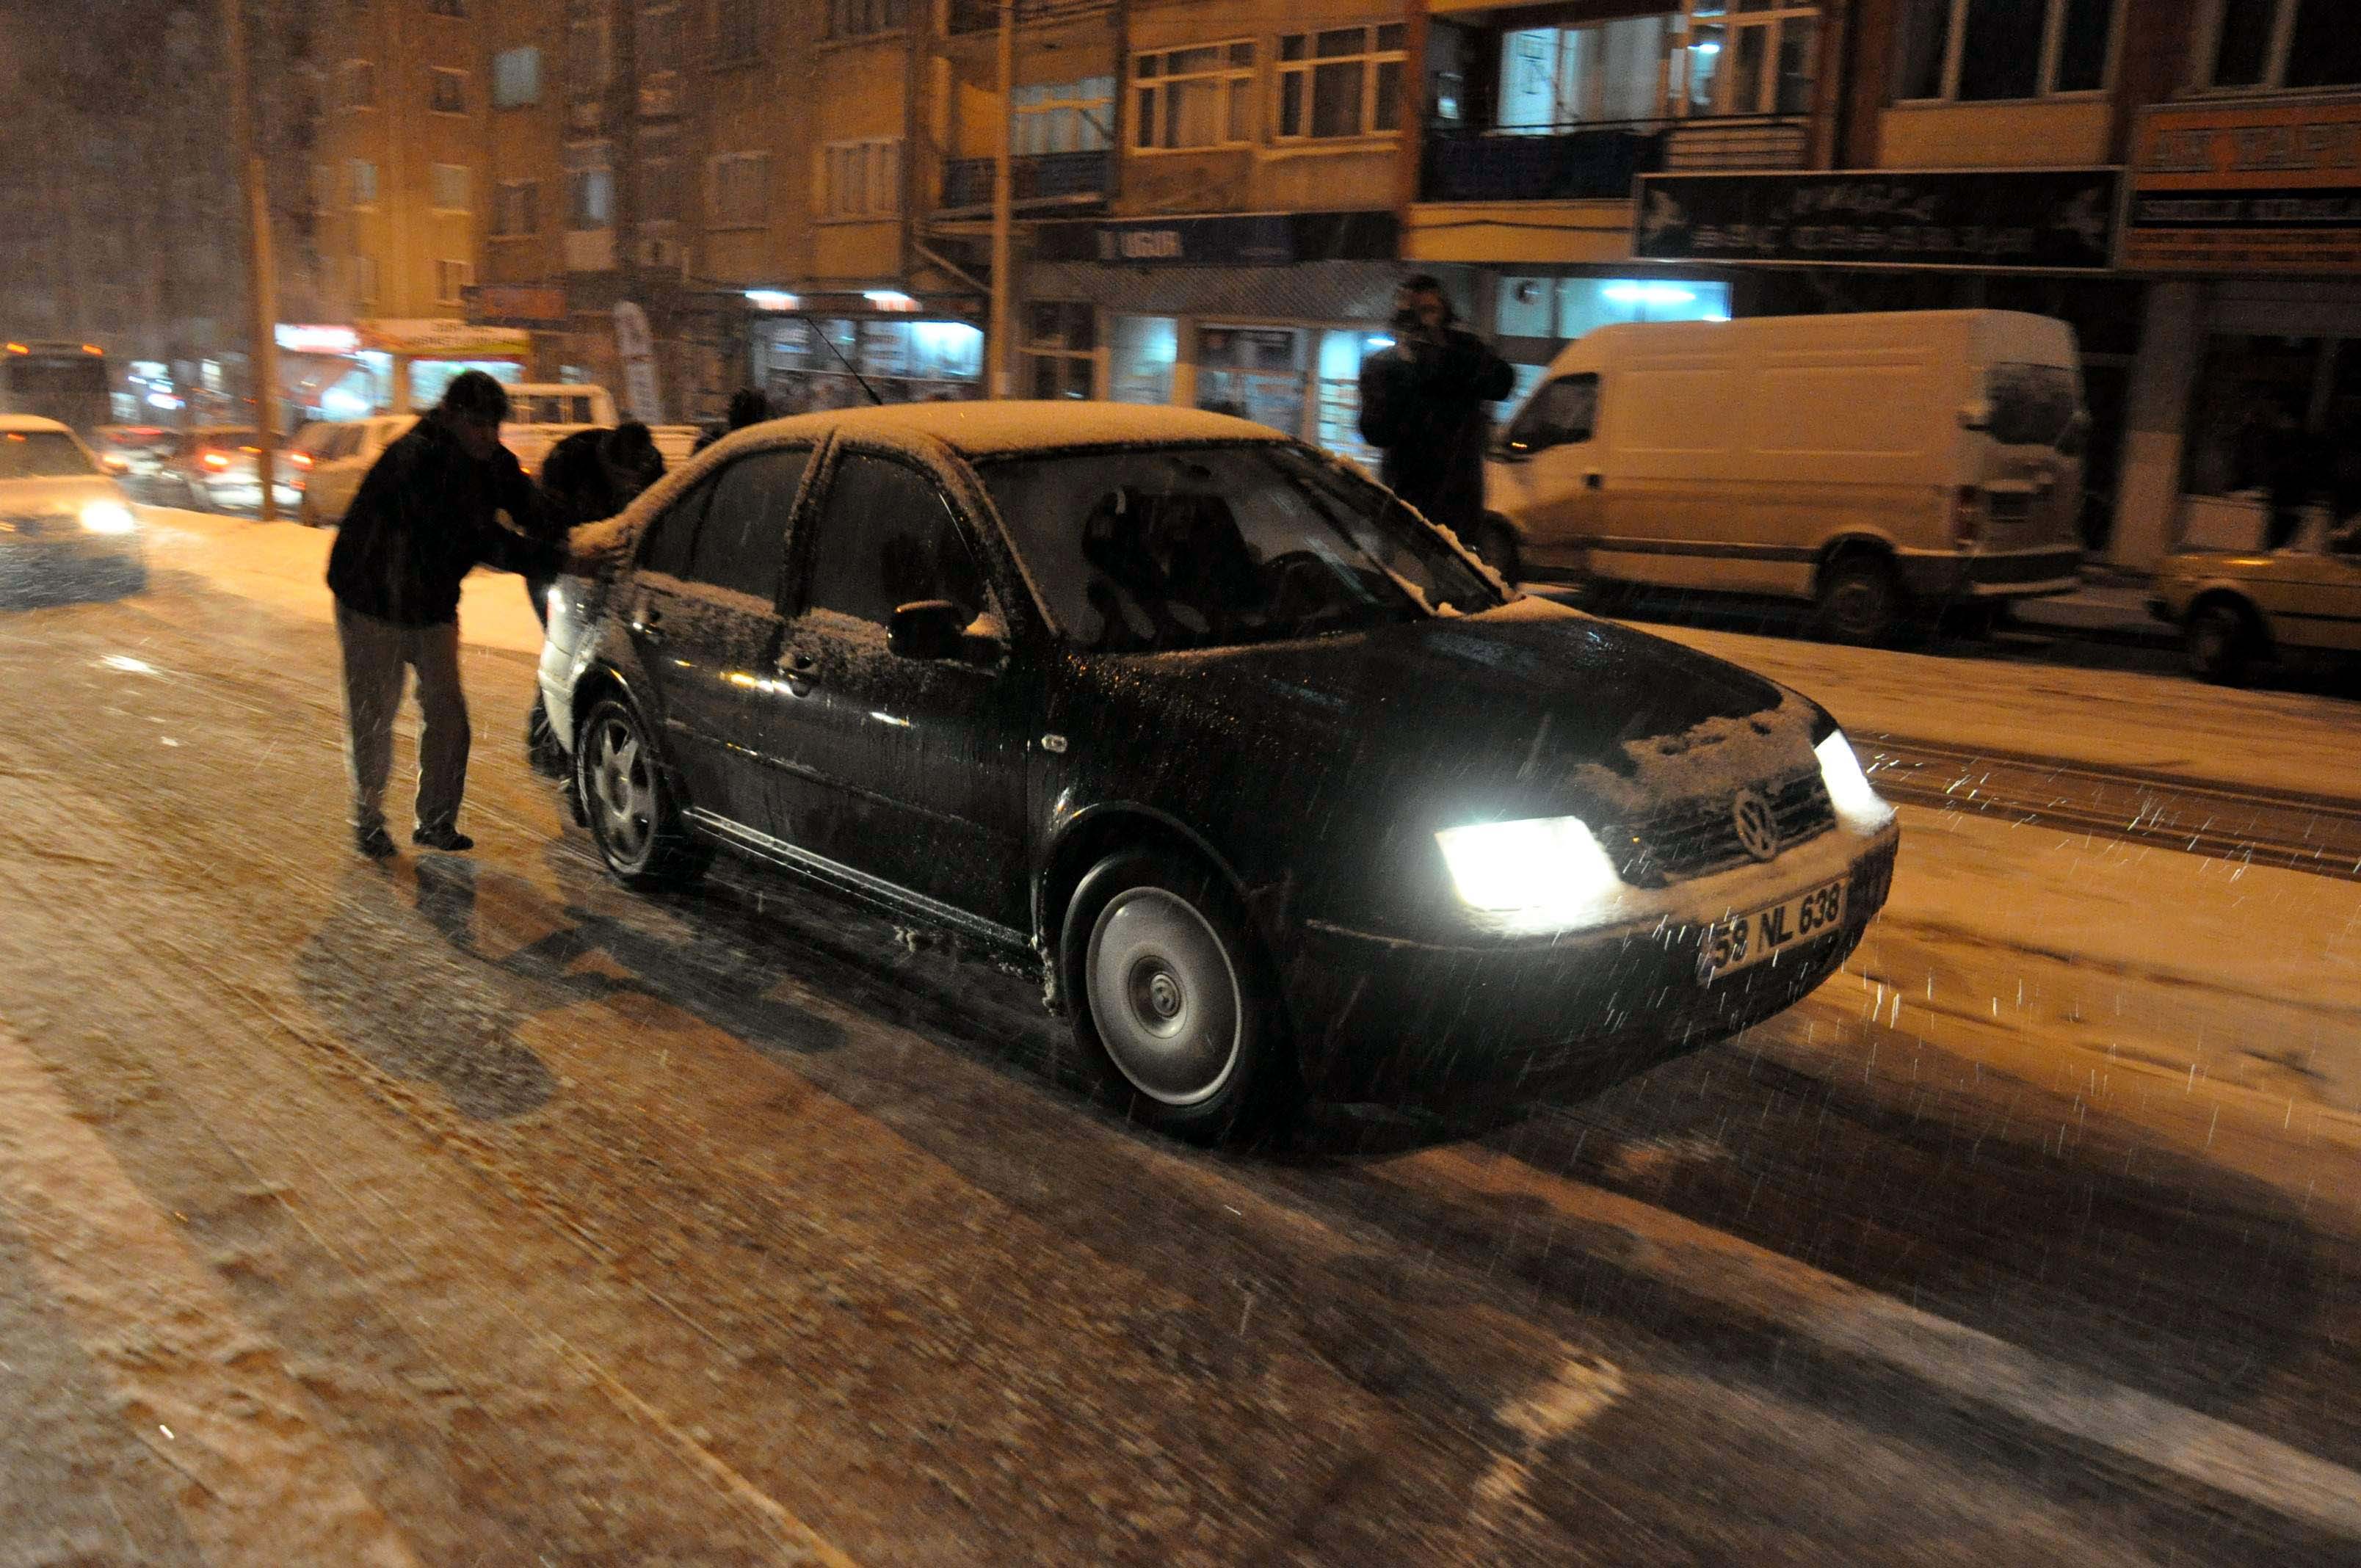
1542,874
1858,806
108,517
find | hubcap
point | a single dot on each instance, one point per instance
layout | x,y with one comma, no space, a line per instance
1164,996
623,793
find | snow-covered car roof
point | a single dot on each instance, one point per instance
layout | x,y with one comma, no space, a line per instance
997,429
28,423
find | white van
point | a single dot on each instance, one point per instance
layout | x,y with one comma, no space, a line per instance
540,416
1884,466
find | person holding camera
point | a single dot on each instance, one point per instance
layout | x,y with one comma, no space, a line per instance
1422,404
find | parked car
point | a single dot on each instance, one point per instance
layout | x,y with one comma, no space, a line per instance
2237,609
333,456
1881,466
63,517
1283,790
133,453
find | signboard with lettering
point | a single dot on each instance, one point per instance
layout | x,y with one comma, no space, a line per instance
1224,239
517,303
433,338
2244,188
2016,220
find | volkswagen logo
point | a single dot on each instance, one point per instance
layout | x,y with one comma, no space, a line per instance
1758,830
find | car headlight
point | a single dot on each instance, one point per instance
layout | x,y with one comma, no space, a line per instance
1542,874
108,517
1859,807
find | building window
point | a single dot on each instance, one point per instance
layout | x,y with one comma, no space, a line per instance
362,271
2278,43
1065,116
863,178
447,8
589,186
1061,349
357,86
1342,82
516,209
588,62
659,179
360,182
447,91
1985,50
856,19
449,188
1756,57
1195,98
739,196
737,31
451,279
516,78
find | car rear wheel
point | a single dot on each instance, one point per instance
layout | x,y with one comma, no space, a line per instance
1173,1004
632,817
1860,601
2221,642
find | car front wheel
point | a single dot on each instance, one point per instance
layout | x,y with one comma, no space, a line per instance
1173,1006
633,818
2220,643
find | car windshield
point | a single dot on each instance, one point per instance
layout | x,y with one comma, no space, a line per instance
41,455
2033,405
1154,548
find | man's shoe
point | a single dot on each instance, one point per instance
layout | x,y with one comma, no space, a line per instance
449,839
374,842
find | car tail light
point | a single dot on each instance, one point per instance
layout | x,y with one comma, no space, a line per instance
1967,516
301,459
216,461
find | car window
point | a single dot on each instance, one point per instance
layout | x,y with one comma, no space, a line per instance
887,537
1563,411
1192,547
746,522
674,535
41,455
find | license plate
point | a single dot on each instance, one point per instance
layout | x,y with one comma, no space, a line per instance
1745,940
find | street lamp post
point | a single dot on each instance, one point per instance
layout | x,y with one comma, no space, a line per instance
262,362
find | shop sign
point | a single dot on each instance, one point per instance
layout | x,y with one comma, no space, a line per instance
540,303
2007,220
1228,239
636,346
297,338
433,338
2240,188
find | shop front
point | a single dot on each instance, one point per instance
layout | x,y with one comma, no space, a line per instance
1267,316
814,351
2248,420
2039,240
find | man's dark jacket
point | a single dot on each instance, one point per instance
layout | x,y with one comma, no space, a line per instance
424,519
1423,406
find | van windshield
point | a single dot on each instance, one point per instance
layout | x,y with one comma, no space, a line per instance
2034,405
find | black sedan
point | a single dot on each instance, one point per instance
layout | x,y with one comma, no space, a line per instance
1284,790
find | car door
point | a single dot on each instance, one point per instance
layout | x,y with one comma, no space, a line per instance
703,613
1547,472
907,770
2315,602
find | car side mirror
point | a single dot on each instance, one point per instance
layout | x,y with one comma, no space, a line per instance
926,629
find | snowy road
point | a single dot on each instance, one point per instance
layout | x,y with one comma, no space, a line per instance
473,1211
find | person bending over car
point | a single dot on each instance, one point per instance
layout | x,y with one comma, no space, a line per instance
424,518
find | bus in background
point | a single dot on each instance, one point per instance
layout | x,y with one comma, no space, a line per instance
64,381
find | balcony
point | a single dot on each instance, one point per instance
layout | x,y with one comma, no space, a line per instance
984,15
1063,179
1598,161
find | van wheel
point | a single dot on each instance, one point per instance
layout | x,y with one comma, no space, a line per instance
1860,601
1496,546
1174,1007
2221,642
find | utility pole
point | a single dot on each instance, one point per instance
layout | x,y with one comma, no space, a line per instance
1003,197
262,361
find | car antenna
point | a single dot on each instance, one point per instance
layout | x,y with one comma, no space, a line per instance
821,333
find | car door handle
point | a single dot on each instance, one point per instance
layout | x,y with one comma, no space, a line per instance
649,622
1592,480
798,668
